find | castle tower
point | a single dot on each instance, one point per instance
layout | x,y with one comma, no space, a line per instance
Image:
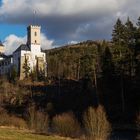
33,38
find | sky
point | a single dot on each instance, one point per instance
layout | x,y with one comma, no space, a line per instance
62,21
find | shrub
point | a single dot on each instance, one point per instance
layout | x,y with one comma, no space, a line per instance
37,120
11,120
41,122
66,125
96,124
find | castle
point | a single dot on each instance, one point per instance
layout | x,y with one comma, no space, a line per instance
31,51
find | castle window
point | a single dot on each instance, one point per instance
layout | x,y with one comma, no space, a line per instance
35,33
35,41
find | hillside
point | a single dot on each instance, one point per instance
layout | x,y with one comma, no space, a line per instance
112,78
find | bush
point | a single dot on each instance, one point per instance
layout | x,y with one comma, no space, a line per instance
66,125
41,122
37,120
96,124
11,120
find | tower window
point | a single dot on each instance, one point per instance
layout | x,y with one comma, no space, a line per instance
35,41
35,33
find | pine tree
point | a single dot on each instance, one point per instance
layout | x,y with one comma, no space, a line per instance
129,34
26,67
13,75
118,33
137,48
107,66
137,36
138,23
130,42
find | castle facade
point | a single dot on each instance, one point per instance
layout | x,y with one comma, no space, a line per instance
31,52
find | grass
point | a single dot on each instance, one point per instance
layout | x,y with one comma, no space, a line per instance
13,134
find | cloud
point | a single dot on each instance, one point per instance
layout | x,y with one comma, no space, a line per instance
72,42
65,20
45,43
12,42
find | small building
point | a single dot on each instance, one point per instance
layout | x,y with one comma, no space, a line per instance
31,51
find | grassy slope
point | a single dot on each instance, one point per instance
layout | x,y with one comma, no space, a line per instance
12,134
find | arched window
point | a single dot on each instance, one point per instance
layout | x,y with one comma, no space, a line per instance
35,41
35,33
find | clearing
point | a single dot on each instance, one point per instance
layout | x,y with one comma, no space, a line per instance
14,134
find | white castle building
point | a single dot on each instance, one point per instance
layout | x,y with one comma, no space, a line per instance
30,51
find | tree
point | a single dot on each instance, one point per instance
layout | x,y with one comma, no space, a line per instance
96,124
137,49
107,66
130,43
118,33
13,75
33,75
129,34
137,35
26,67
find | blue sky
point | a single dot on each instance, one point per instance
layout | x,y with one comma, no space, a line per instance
7,29
63,21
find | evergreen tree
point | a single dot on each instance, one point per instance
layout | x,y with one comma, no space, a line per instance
118,33
138,22
137,37
130,42
13,75
107,66
129,34
26,67
137,48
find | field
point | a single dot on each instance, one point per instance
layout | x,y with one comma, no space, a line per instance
13,134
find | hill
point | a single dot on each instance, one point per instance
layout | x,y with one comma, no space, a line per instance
111,71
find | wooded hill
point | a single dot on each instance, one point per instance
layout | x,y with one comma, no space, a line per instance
112,68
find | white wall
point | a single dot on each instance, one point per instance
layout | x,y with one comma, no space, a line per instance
35,49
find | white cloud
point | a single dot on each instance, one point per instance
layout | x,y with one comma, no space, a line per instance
70,19
45,43
72,42
58,7
12,42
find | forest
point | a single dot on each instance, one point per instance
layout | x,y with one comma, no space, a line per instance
92,90
110,68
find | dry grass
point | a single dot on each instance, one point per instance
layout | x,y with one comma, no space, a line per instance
66,125
12,93
13,134
13,121
96,124
37,120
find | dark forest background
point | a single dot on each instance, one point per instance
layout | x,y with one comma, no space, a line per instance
82,75
100,72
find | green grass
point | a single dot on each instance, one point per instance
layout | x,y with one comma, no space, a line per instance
12,134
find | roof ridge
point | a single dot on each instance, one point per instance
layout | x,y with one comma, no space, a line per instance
22,47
